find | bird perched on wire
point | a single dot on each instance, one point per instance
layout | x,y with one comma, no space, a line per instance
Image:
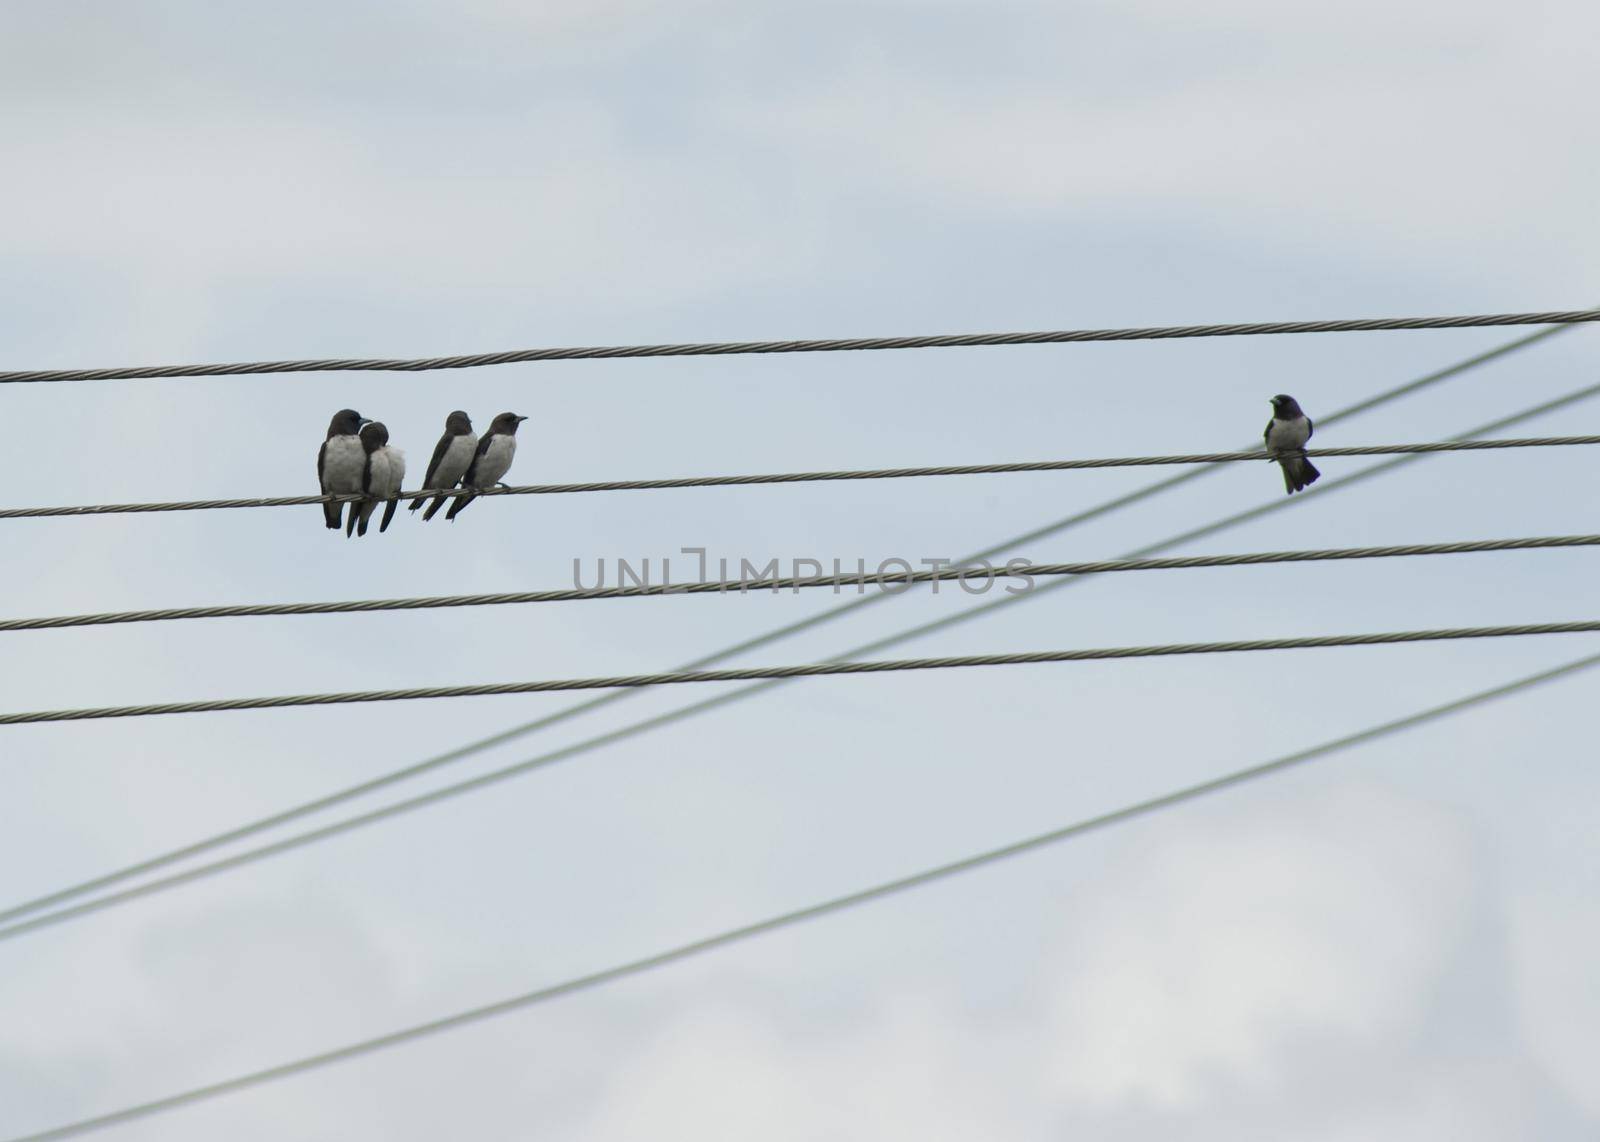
380,479
1286,436
452,456
341,462
492,459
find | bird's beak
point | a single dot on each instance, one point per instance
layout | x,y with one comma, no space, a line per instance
520,419
366,420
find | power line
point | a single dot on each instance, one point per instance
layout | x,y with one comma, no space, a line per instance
387,812
801,915
836,345
807,670
803,477
883,580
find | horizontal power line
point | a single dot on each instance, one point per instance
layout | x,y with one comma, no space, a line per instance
631,730
885,581
393,810
801,915
809,670
835,345
810,477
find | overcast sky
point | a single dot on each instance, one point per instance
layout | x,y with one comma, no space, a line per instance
1396,942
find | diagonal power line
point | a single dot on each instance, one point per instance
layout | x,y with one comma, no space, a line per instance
340,796
799,916
432,797
833,345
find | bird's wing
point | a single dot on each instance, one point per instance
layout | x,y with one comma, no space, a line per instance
1310,428
472,468
439,451
1266,436
322,467
366,474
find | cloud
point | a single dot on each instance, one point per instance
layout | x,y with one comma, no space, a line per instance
541,200
1198,960
1220,116
1553,937
725,1073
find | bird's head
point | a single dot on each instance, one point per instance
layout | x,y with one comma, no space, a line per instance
346,422
374,435
1285,407
458,423
506,423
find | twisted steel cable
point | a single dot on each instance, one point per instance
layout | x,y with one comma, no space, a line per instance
812,477
882,890
961,574
811,670
835,345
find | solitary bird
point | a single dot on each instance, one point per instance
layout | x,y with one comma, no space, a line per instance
380,479
1286,436
452,456
341,462
492,459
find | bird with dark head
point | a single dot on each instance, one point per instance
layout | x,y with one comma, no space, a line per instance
380,480
1285,437
341,462
491,461
452,456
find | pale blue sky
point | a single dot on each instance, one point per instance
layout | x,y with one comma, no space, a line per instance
1397,943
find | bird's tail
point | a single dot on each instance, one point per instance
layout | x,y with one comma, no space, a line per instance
357,521
388,514
460,505
330,514
417,503
368,506
1298,474
433,508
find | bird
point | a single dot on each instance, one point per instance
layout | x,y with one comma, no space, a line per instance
340,462
1286,436
381,477
492,459
452,456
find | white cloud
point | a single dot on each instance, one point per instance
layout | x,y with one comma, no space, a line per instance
1193,964
1554,944
545,200
725,1073
1408,127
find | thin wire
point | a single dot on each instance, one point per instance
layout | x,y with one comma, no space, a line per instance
683,713
729,348
801,915
803,477
886,581
807,670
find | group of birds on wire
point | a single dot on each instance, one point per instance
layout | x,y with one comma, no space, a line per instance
356,458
